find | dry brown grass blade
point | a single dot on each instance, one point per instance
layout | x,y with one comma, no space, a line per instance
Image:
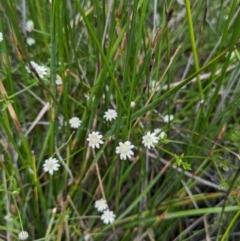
12,113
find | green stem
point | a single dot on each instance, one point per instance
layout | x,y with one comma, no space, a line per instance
193,43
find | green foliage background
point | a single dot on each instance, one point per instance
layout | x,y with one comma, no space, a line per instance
169,58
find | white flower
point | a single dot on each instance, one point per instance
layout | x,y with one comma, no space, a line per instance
29,26
62,122
30,41
108,217
87,237
23,235
101,205
181,2
161,134
152,85
157,131
1,37
110,115
132,104
51,165
41,70
75,122
8,217
86,95
58,80
168,118
149,139
94,139
54,210
124,149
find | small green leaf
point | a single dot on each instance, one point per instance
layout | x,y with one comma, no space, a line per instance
186,166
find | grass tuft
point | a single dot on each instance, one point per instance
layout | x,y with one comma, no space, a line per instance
119,121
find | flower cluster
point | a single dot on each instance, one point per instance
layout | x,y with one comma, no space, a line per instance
124,149
108,216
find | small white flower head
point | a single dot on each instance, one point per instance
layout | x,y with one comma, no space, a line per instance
34,64
1,37
75,122
51,165
41,70
149,139
168,118
23,235
54,210
152,85
101,205
8,217
110,115
94,139
108,217
132,104
124,149
181,2
157,131
58,80
86,95
30,41
29,26
87,237
161,134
